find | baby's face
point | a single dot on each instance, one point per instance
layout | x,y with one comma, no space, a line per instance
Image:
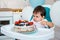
37,17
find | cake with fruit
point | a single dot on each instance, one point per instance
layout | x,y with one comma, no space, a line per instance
23,26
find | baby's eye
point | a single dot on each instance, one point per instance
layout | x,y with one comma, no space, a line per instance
37,16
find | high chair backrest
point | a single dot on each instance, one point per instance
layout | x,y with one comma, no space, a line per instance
28,11
47,8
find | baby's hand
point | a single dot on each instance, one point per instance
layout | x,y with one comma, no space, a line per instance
44,23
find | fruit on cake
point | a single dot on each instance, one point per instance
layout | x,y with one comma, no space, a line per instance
23,26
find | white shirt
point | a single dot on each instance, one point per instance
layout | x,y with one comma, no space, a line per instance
39,25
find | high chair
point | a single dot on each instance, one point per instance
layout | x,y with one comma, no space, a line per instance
27,15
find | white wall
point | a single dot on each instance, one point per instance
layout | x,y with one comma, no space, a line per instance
13,3
19,3
49,2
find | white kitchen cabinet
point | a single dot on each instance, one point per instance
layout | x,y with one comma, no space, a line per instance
11,16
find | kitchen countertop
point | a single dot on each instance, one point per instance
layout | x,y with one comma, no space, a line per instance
11,9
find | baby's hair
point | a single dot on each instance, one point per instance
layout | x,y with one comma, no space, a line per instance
40,9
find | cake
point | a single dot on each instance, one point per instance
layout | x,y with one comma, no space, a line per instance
24,26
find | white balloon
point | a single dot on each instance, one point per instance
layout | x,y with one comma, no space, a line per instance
55,13
27,13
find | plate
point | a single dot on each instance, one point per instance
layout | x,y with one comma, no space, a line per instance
25,32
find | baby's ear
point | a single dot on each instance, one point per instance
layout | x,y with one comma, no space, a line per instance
43,16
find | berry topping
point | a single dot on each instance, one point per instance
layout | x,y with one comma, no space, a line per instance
16,22
30,23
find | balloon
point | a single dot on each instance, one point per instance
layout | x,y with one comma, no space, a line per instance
35,3
55,13
27,13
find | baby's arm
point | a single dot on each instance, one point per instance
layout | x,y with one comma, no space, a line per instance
49,24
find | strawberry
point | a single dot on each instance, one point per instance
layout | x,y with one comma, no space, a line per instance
19,21
16,22
30,23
